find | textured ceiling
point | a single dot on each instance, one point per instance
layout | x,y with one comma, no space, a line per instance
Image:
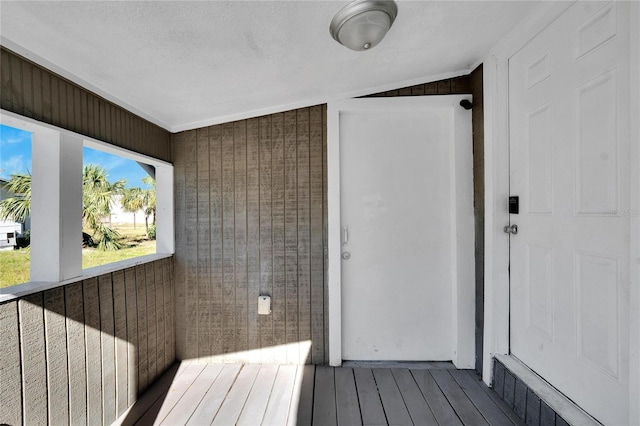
185,64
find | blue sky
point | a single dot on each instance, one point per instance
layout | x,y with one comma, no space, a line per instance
15,157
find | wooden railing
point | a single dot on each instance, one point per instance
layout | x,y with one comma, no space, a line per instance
83,352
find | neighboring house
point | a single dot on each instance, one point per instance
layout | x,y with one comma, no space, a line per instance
10,230
120,217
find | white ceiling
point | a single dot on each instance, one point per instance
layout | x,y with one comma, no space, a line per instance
185,64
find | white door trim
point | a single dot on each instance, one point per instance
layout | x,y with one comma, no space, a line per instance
496,156
461,211
634,276
333,231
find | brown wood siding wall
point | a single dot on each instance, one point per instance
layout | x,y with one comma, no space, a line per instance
35,92
250,221
251,216
74,354
478,205
451,86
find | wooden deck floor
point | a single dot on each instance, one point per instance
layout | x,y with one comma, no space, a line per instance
230,394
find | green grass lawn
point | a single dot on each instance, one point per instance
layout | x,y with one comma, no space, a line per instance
14,264
14,267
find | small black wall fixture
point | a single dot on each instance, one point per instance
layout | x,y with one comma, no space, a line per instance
466,104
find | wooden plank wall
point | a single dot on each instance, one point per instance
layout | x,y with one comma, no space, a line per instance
478,206
451,86
250,220
73,354
35,92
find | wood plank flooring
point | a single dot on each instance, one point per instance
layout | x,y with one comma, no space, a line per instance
234,394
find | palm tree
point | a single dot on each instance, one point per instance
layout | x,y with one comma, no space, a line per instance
97,193
18,207
96,203
149,200
132,201
135,199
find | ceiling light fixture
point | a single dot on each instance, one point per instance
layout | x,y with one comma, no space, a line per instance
362,24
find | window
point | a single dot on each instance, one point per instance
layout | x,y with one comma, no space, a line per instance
62,165
119,208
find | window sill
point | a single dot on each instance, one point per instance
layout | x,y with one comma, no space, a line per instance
16,291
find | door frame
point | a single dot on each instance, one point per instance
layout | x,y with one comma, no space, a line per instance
462,224
496,155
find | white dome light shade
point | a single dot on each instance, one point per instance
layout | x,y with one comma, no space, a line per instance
362,24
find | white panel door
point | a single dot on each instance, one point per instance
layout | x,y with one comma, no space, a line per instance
398,204
569,123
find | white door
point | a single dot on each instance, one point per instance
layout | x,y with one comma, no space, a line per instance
569,122
398,164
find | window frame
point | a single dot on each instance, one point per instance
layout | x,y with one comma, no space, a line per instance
56,214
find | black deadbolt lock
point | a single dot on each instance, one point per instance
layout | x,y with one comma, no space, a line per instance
514,205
